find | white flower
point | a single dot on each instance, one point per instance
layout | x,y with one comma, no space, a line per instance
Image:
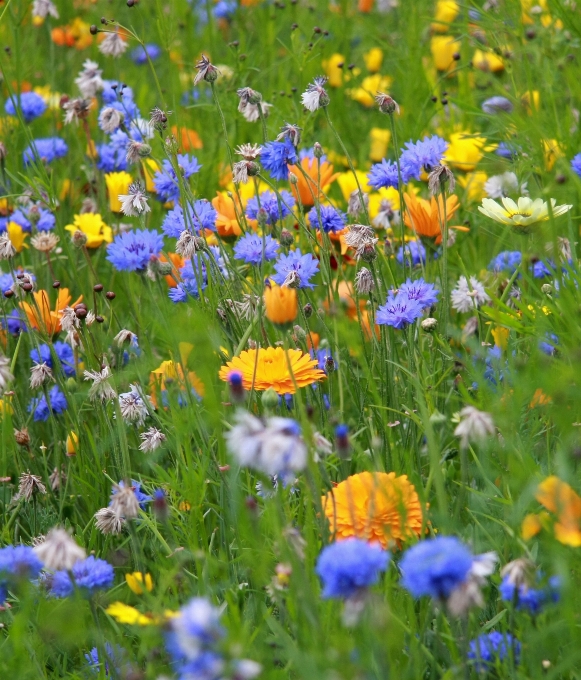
69,320
474,425
39,374
101,388
135,202
125,337
315,96
498,186
113,45
59,550
89,80
151,440
251,112
467,296
108,521
110,119
521,214
5,374
134,408
124,502
7,250
42,8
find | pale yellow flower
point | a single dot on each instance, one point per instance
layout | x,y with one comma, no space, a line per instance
523,214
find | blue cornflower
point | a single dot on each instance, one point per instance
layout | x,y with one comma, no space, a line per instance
576,164
165,181
530,599
15,321
113,657
113,89
489,648
31,106
413,252
141,53
425,294
41,409
201,216
194,632
331,218
142,498
19,561
64,353
435,567
300,268
35,215
254,249
112,156
325,359
89,575
383,175
542,269
549,347
270,204
348,566
47,149
507,151
132,250
205,262
225,9
507,261
398,311
277,156
423,155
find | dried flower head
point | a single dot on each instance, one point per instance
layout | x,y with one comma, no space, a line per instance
39,374
474,425
355,206
440,178
124,337
386,103
364,282
158,118
45,241
29,484
58,478
7,250
189,244
5,373
250,152
108,521
101,387
110,119
151,440
291,132
22,437
315,96
76,110
113,45
124,502
135,151
59,550
206,71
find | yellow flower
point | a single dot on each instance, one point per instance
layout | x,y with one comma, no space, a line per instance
72,443
379,142
551,151
487,61
446,12
523,214
473,184
123,613
136,581
443,48
51,99
333,71
348,184
531,526
280,303
500,336
92,225
117,184
559,498
150,167
370,86
373,59
526,98
464,151
377,197
17,236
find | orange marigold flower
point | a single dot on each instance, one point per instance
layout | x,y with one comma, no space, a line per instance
178,262
307,186
559,498
283,370
41,316
375,506
281,303
424,216
188,139
226,219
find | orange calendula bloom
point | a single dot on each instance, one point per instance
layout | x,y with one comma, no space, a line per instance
307,186
41,316
188,139
283,370
378,507
559,498
424,216
281,303
226,219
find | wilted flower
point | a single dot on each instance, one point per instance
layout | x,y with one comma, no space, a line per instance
364,282
134,406
315,95
108,521
134,203
59,551
124,502
158,118
89,80
39,374
206,71
113,45
29,484
467,296
44,8
474,425
290,132
441,177
5,373
386,103
7,250
44,241
101,387
151,440
76,110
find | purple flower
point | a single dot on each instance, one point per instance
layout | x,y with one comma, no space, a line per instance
425,294
398,311
269,202
113,657
505,150
277,156
331,219
253,249
89,575
132,250
19,561
31,106
383,175
423,155
296,266
541,269
413,252
47,149
348,566
42,410
206,263
165,181
201,216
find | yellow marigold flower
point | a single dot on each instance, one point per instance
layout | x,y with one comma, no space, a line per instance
443,48
523,214
370,86
333,71
282,369
169,372
117,183
123,613
92,225
227,210
464,151
473,184
51,99
446,12
531,526
17,236
559,498
72,443
373,59
378,507
380,139
281,303
137,581
487,61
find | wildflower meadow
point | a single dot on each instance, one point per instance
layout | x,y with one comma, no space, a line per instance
290,339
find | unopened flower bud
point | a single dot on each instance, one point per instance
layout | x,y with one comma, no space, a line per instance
79,239
299,332
308,310
164,268
429,324
293,179
546,288
386,103
270,398
317,148
286,238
